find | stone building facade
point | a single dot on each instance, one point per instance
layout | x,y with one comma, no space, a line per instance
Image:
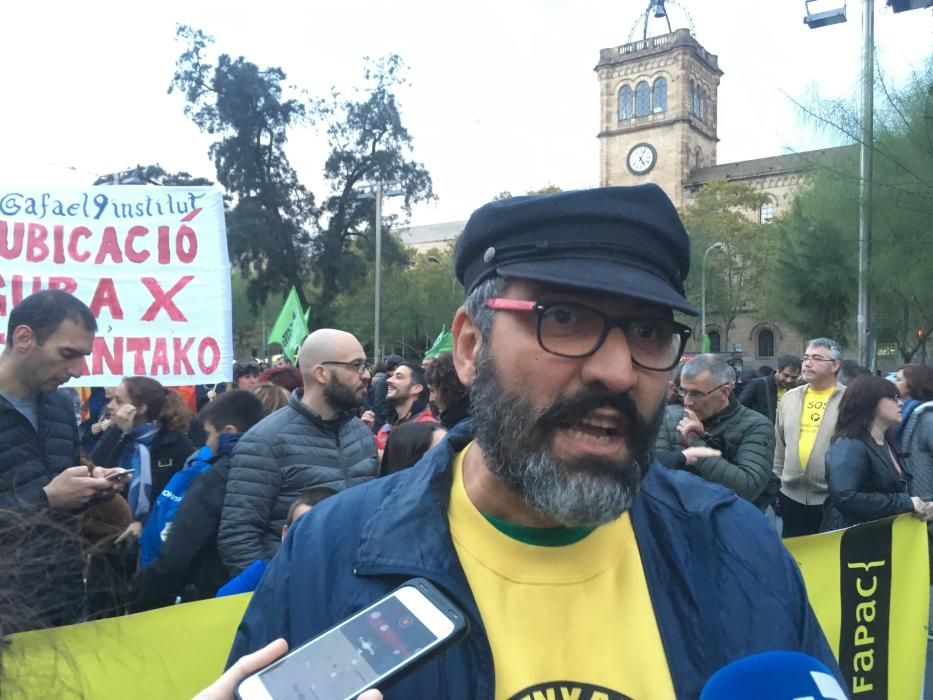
658,108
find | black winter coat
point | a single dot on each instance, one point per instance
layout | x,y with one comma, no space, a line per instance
284,454
188,564
41,544
761,395
863,484
167,454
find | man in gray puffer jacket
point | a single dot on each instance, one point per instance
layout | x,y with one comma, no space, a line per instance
316,440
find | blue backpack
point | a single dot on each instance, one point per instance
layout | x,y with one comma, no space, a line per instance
159,523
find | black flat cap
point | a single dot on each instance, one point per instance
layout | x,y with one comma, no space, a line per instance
621,240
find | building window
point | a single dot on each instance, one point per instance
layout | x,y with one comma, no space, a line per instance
642,99
765,343
699,158
625,102
715,341
659,96
766,214
691,92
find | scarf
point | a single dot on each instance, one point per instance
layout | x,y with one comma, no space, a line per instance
136,457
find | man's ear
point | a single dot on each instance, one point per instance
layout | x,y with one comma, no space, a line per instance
467,343
24,339
319,374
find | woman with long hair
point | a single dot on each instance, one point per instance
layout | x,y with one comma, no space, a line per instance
148,437
867,478
914,382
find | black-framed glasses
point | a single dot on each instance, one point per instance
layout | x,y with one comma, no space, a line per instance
815,358
361,367
695,395
568,329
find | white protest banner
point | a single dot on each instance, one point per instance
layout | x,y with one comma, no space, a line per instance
150,262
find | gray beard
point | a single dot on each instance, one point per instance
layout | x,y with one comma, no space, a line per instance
576,491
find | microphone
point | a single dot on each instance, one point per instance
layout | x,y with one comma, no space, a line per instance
774,675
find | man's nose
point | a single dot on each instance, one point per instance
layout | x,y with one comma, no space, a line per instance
611,365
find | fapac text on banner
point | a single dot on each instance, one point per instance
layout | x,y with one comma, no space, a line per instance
150,262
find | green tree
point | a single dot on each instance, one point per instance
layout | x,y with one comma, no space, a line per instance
270,216
727,212
819,236
277,234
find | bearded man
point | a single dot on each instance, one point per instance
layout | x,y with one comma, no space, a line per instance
316,440
586,569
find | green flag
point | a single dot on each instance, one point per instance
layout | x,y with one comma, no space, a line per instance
704,344
443,343
291,327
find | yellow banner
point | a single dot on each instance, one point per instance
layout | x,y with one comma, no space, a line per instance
869,587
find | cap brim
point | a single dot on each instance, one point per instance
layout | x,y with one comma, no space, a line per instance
601,276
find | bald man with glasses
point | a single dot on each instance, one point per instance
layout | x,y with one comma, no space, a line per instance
316,440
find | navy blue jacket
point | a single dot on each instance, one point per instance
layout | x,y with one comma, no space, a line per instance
721,583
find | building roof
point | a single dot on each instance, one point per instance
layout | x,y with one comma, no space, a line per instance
761,167
421,236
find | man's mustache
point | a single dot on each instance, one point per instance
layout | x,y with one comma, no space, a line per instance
572,408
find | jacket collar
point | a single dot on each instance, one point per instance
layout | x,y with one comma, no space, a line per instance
725,414
296,404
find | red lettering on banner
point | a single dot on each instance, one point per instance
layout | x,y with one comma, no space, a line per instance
109,246
163,245
163,299
77,234
205,345
139,346
159,357
133,255
66,284
58,248
106,295
181,356
101,354
186,244
37,249
13,250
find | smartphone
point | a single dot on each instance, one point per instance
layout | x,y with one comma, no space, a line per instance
408,626
116,476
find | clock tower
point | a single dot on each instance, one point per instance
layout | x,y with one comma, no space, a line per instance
658,100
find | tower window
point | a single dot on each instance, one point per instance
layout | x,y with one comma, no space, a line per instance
642,99
691,96
659,96
699,158
766,213
765,343
625,102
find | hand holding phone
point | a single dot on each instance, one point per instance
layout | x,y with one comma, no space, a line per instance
406,627
119,474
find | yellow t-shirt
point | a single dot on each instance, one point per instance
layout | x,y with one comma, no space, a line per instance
780,393
572,621
814,406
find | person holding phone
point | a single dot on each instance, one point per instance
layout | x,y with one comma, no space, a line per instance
578,560
48,336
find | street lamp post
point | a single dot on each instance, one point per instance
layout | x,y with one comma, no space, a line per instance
865,354
718,245
865,340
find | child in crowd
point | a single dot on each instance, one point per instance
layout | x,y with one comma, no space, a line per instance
248,579
188,565
408,443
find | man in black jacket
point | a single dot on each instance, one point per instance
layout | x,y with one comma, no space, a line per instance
189,564
47,338
316,440
763,394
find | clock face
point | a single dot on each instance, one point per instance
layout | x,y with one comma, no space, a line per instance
642,158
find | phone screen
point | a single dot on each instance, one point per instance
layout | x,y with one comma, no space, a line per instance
351,657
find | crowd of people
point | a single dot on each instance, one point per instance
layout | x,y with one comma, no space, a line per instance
517,473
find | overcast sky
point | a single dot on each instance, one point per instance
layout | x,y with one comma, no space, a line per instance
502,97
